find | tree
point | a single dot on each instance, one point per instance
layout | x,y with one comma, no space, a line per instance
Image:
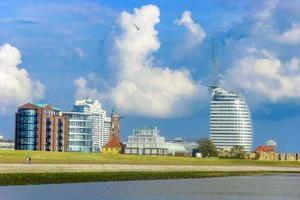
207,148
238,152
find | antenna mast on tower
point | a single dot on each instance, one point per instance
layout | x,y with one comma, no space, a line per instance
215,63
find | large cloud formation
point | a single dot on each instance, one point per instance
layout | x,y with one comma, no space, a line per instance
143,88
262,53
16,87
261,73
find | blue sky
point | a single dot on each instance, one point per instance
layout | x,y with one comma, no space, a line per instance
160,75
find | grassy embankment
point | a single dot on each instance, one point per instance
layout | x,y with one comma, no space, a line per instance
98,158
79,177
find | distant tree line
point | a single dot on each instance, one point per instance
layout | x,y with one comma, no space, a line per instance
208,149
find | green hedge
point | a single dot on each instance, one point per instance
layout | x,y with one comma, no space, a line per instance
78,177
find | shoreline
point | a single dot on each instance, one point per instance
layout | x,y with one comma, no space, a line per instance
70,167
14,179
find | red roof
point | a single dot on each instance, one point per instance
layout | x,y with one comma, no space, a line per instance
114,143
265,148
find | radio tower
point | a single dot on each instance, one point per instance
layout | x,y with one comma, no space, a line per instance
215,63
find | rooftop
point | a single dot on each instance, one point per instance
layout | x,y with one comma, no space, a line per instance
265,148
42,105
114,143
146,128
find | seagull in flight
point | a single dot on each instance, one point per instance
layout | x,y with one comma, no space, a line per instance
137,28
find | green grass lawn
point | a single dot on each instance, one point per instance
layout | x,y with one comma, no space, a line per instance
79,177
98,158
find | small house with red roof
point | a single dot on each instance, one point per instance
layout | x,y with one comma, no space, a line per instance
114,146
265,148
266,152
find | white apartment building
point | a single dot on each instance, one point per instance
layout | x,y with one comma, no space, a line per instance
230,120
99,118
80,131
104,137
146,141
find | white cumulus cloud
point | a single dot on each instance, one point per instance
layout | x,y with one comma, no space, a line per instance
290,36
16,87
196,33
263,74
83,90
141,87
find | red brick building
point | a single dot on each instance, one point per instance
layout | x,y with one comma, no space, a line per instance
41,127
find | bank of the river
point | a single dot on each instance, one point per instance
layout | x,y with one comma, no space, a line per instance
81,177
67,167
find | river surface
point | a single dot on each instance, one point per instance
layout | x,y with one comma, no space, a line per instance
270,187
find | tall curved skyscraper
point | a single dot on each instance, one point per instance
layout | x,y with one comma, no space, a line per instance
230,120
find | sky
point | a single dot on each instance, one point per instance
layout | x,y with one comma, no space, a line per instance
153,61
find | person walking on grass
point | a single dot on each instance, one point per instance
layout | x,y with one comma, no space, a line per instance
29,160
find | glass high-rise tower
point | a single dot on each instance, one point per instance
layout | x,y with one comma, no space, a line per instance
101,122
80,131
230,120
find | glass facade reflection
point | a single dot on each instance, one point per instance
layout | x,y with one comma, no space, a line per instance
230,120
80,132
27,128
40,127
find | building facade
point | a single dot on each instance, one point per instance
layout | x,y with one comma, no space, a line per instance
104,137
40,127
230,120
80,131
146,141
101,122
181,147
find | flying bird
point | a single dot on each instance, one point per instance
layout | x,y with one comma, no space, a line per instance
137,28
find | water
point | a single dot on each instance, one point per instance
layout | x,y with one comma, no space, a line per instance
272,187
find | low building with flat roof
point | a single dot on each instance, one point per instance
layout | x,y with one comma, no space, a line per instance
181,147
6,144
146,141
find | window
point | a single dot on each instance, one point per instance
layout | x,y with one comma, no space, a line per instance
47,112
